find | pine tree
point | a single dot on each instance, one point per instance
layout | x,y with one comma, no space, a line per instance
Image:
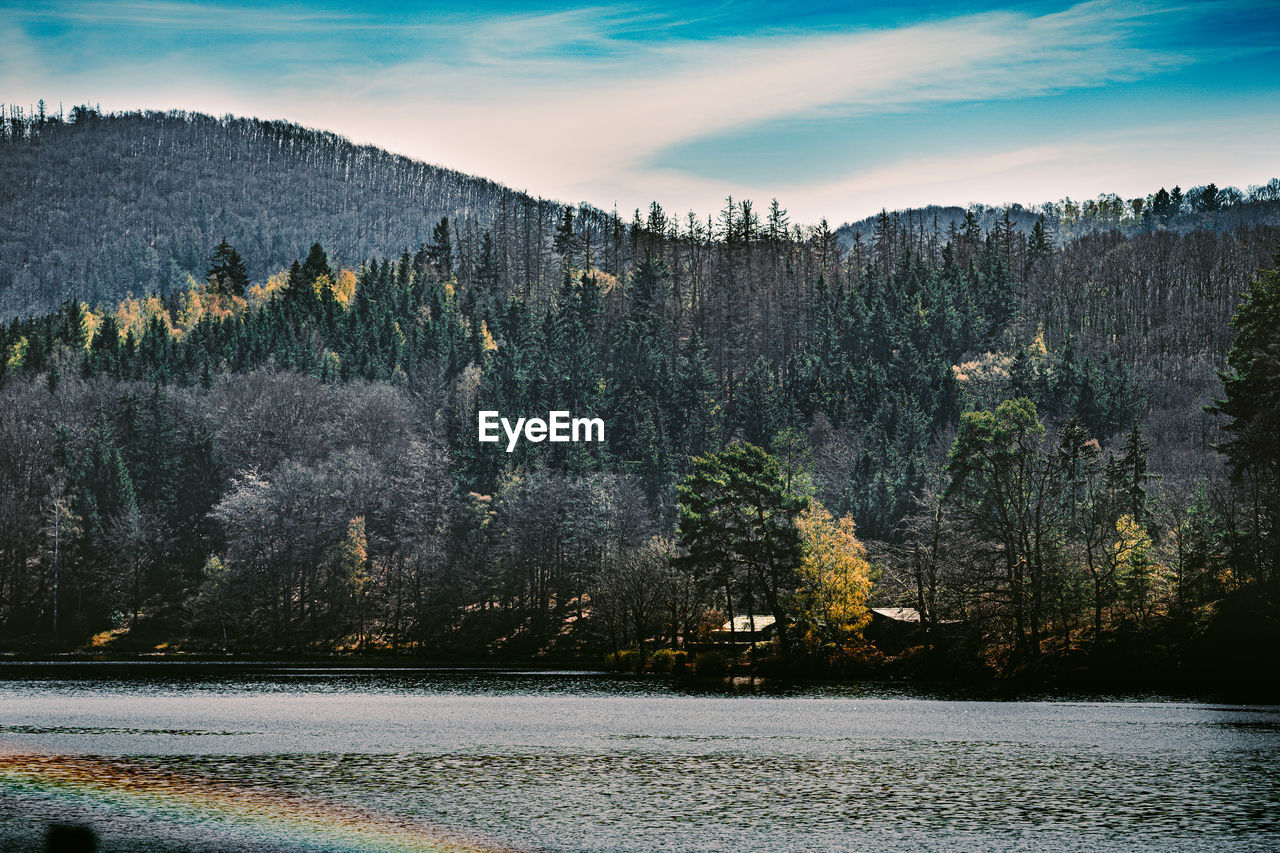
565,240
1251,402
107,490
1210,198
316,265
694,406
1127,474
997,295
1161,205
738,528
649,295
72,316
1039,249
227,274
757,407
300,291
440,251
103,356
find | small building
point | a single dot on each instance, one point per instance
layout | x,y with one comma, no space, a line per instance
746,629
894,629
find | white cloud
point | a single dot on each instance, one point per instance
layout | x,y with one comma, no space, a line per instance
565,105
587,123
1129,162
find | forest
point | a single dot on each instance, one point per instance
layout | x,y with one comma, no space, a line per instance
1047,429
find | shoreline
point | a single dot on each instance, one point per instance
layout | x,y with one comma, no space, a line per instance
1020,687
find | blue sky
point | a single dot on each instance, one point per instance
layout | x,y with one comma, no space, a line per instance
837,110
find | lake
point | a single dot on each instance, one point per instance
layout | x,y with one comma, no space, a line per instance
172,756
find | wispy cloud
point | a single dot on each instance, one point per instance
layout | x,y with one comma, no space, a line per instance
162,17
1129,162
578,103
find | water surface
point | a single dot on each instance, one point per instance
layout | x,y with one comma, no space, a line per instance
597,762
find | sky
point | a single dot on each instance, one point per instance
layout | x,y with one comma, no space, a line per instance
837,110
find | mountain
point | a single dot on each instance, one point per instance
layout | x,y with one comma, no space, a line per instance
1204,207
100,206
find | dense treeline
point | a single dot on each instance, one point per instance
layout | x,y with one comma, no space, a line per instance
1218,207
1012,421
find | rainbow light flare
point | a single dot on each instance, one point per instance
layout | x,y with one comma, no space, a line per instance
251,813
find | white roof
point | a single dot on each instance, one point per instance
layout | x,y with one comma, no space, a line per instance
898,614
742,624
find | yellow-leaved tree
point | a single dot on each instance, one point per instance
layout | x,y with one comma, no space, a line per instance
135,315
90,320
17,354
259,294
1145,583
344,289
835,575
199,302
351,562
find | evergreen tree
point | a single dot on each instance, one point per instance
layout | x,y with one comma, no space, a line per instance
316,265
440,251
1127,474
103,356
1039,247
227,274
1162,205
1251,402
106,488
757,408
738,528
299,290
994,467
694,401
565,240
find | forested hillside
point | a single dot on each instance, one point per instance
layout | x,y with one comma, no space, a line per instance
1206,206
283,454
99,206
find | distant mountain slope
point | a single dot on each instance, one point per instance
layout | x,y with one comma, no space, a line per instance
1227,209
104,205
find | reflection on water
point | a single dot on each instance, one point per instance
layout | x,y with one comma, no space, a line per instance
174,809
585,761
